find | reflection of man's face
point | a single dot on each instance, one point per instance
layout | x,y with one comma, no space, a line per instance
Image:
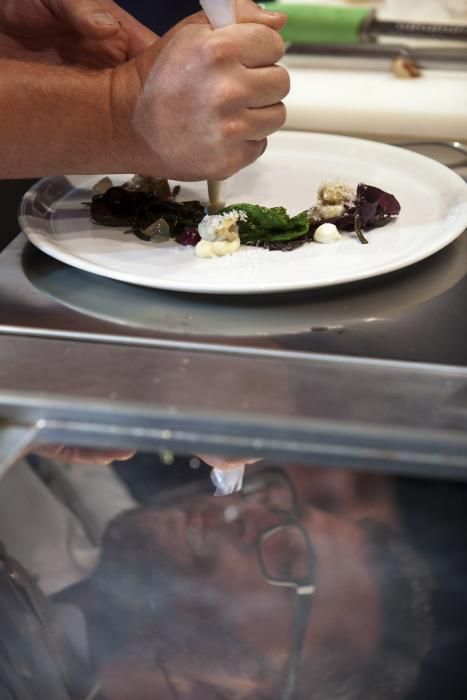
216,615
213,544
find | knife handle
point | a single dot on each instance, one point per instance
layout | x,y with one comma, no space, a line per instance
320,24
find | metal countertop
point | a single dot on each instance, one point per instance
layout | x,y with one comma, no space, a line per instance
368,374
417,315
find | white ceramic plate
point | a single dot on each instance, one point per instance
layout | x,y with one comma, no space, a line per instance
434,213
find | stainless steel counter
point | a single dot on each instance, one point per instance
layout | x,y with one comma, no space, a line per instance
417,315
368,374
371,377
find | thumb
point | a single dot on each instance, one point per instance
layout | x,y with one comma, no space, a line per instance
248,11
92,19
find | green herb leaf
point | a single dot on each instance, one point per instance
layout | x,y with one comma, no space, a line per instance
265,225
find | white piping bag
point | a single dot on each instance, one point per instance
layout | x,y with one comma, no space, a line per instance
220,13
228,482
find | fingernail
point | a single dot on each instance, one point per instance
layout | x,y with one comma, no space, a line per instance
103,19
264,147
277,16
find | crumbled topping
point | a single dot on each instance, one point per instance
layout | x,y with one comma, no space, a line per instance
221,226
333,199
336,192
219,234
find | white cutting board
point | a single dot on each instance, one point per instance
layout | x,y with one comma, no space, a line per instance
376,103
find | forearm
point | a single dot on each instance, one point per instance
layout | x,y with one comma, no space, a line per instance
56,120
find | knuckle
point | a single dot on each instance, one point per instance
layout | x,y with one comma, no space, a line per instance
281,115
226,92
279,46
283,81
268,43
272,41
276,120
264,33
216,51
231,129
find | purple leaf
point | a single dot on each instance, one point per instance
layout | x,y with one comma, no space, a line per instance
376,206
189,237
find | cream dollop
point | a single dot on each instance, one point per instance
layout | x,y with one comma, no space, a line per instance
327,233
217,249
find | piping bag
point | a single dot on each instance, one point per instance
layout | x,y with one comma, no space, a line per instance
220,13
228,482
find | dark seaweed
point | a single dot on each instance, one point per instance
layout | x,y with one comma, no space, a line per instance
138,210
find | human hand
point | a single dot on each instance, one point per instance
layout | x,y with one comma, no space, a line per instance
204,100
94,33
227,464
81,455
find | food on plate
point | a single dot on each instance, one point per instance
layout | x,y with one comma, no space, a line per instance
370,208
102,186
271,228
333,197
158,187
148,207
327,233
220,235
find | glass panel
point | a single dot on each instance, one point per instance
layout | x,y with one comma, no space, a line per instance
130,579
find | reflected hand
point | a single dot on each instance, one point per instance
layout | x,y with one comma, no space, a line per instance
92,33
80,455
226,464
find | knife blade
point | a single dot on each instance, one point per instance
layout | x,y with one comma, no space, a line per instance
381,55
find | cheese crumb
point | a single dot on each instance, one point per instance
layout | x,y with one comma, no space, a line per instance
327,233
222,227
333,199
336,192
